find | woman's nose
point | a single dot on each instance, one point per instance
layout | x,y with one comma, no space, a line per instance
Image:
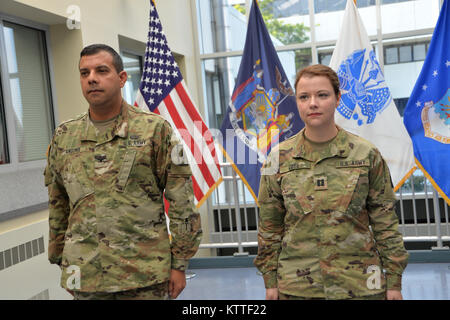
313,101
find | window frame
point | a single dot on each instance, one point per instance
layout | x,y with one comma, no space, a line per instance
140,55
14,164
411,45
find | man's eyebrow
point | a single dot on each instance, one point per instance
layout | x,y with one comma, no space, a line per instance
102,66
97,67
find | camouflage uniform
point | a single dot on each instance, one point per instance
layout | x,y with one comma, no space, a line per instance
106,203
158,291
328,228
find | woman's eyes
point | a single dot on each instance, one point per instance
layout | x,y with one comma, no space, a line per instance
305,97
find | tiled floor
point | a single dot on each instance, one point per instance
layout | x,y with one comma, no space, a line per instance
421,281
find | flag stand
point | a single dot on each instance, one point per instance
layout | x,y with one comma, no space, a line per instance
437,221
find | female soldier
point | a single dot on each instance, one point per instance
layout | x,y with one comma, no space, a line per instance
327,225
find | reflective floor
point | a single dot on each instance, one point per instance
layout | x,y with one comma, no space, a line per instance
421,281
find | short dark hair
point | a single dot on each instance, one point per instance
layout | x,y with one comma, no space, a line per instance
96,48
318,70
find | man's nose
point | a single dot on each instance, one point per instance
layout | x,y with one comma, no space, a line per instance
92,78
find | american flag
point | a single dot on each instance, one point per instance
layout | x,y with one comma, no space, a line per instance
163,91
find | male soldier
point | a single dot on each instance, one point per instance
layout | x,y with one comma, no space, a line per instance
106,174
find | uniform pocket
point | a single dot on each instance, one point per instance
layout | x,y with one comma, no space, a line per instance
125,169
350,189
135,180
76,182
296,181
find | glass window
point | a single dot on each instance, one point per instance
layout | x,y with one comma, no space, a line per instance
405,53
391,55
303,58
337,5
401,103
3,137
132,64
30,90
419,52
403,16
324,58
222,25
287,21
328,5
393,1
220,76
401,77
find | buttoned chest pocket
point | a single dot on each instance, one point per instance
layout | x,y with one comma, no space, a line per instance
348,187
296,182
74,173
136,177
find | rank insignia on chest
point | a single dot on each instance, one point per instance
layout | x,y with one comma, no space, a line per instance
320,183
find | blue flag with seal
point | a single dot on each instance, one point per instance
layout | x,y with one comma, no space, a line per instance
427,114
262,111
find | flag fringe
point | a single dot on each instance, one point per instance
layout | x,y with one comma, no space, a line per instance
435,185
239,173
401,182
208,193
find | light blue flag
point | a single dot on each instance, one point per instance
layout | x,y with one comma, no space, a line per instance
427,114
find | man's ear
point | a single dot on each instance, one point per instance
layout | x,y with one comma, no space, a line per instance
123,77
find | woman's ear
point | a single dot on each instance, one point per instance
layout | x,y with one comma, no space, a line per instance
338,99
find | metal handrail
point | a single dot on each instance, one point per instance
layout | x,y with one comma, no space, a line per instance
229,234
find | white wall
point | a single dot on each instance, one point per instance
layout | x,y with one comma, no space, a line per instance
28,278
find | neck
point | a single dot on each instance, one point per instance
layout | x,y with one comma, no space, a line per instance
105,111
321,134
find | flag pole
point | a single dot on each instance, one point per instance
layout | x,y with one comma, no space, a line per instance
248,4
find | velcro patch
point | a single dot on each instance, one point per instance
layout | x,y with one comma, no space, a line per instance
352,163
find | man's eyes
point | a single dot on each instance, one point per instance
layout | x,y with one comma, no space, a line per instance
102,70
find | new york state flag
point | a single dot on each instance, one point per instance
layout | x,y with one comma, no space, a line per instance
366,107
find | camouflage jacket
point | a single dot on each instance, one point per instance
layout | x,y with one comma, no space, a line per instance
106,213
328,228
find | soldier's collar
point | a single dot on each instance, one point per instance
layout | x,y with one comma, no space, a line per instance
338,147
120,129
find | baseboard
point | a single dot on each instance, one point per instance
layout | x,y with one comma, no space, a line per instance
415,256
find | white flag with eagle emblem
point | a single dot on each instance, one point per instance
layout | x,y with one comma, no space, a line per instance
366,107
